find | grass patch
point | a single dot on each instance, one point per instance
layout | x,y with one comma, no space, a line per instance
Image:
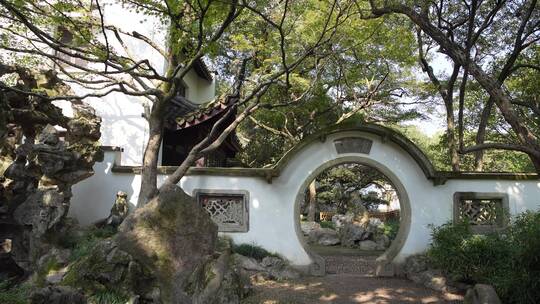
328,224
108,297
88,240
16,294
51,264
253,251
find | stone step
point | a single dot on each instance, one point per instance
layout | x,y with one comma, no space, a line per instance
358,265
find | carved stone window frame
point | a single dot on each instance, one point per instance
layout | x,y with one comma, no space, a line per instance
503,217
244,195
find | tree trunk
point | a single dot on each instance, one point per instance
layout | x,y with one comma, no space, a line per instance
524,135
481,135
312,204
536,163
150,159
451,136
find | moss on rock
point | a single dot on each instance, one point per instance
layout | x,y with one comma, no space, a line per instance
172,236
109,271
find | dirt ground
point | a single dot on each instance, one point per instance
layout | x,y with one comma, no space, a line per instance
346,288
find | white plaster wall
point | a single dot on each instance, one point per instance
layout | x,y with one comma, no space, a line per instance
272,219
199,90
122,121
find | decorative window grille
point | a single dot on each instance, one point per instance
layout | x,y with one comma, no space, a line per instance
229,210
485,212
480,211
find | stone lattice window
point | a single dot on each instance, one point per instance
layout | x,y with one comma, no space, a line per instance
228,210
480,211
485,212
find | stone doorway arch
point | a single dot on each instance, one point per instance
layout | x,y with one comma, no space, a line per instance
384,261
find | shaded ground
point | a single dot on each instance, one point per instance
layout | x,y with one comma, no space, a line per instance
346,288
348,260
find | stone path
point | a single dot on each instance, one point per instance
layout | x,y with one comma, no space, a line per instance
350,279
345,289
359,265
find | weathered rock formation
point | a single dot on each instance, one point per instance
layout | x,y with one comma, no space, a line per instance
36,175
324,236
175,239
119,211
417,269
349,231
109,270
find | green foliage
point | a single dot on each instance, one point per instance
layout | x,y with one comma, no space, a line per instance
84,244
328,224
108,297
338,188
509,261
14,294
51,264
390,228
252,251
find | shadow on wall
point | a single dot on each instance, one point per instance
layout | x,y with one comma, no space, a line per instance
522,196
123,126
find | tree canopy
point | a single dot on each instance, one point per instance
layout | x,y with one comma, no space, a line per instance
294,67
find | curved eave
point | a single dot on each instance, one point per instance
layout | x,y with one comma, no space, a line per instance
385,133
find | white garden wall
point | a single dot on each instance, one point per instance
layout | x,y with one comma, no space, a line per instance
273,218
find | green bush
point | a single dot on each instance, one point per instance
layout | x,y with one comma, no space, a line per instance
328,224
390,228
16,294
508,260
88,240
108,297
252,251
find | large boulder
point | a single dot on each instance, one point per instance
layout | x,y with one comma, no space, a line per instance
415,264
175,239
271,267
382,241
109,270
353,233
367,245
217,282
324,236
307,227
482,294
57,295
278,269
417,269
247,263
340,220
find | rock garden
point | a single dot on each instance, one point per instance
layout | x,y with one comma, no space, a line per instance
344,230
350,205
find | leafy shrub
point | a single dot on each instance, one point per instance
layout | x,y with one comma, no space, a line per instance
509,260
16,294
252,251
328,224
390,228
108,297
88,240
51,264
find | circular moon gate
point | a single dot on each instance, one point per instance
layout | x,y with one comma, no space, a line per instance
384,261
